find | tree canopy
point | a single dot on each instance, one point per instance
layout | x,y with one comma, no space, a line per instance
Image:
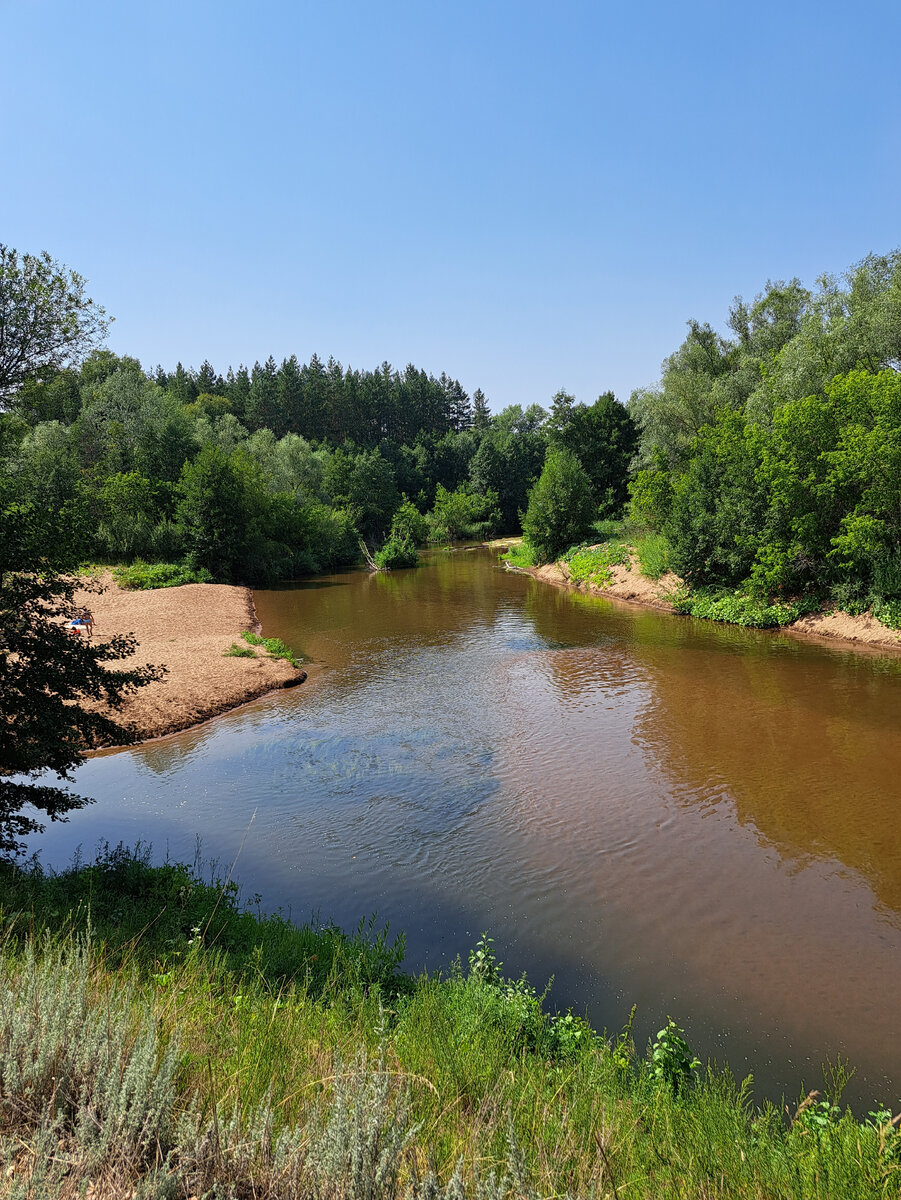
46,320
48,675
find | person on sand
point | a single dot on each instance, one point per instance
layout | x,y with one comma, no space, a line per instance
83,623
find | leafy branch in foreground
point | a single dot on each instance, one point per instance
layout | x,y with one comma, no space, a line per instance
54,683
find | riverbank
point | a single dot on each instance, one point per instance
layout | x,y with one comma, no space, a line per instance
189,630
222,1052
628,584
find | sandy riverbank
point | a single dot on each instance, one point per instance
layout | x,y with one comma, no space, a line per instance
187,629
631,586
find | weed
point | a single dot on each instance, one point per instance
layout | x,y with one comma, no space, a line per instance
274,647
236,651
591,564
672,1061
739,607
652,551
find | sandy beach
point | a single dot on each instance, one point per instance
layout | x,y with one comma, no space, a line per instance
187,629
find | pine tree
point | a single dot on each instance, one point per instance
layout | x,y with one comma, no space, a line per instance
481,414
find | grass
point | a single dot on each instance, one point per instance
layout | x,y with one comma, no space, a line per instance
274,647
519,554
236,651
185,1047
140,575
652,551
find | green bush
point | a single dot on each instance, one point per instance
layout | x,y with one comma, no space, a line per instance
519,554
397,552
141,576
561,508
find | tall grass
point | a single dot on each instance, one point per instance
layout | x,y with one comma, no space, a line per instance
184,1047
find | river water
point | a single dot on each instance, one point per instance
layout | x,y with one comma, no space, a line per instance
698,819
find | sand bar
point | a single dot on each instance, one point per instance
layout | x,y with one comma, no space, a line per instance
188,629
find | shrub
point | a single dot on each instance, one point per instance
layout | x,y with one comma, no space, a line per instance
142,576
397,552
561,508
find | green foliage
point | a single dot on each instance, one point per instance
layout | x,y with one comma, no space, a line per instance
236,651
719,506
603,438
653,553
396,553
591,564
519,554
462,513
671,1060
48,322
47,673
740,607
274,647
561,508
409,524
509,460
888,612
142,576
651,492
194,1049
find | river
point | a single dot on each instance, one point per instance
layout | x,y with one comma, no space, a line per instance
694,818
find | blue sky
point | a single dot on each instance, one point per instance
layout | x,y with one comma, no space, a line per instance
525,195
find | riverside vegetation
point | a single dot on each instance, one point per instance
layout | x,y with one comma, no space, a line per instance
157,1039
766,462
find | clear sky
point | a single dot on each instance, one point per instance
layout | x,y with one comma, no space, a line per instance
525,195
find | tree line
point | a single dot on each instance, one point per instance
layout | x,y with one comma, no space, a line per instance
770,457
269,472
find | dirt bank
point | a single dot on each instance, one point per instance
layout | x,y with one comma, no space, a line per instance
630,585
187,629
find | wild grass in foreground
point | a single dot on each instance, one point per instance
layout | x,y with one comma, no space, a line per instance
158,1041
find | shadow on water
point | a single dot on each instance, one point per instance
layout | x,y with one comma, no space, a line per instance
696,818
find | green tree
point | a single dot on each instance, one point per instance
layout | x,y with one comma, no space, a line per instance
46,320
719,504
509,460
373,495
561,508
47,674
481,413
221,511
604,440
462,513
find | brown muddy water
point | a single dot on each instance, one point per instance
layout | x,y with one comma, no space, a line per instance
698,819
